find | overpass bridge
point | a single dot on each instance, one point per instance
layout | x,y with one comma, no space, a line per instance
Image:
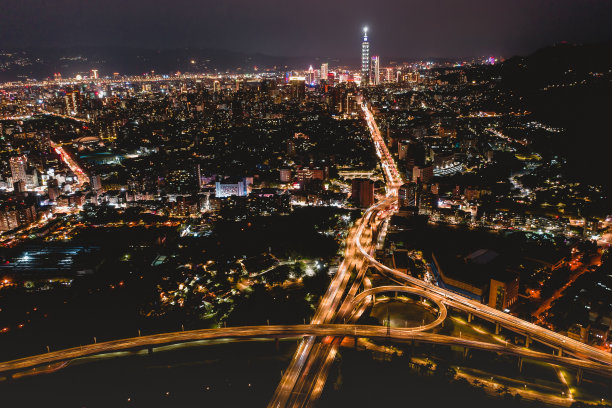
418,334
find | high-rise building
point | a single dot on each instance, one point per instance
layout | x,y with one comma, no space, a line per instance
18,168
324,71
96,182
19,186
402,149
73,102
239,84
503,290
365,58
389,75
228,188
375,79
198,175
13,215
53,189
285,175
422,173
310,76
297,88
306,174
362,192
93,74
291,147
349,103
408,195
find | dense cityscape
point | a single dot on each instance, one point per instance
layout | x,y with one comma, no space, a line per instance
428,231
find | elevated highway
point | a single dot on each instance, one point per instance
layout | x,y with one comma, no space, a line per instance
386,206
290,331
515,324
306,376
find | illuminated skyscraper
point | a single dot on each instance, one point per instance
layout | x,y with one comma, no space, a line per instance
73,102
324,70
408,195
310,76
375,80
18,168
389,75
365,58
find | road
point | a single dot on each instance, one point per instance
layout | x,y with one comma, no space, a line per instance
577,272
452,299
289,331
305,377
82,178
313,356
485,312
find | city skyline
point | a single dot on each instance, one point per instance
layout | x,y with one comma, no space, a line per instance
201,226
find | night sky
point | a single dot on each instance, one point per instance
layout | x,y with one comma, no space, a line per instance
330,28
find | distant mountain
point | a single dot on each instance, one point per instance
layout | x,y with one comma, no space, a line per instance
570,86
560,63
40,63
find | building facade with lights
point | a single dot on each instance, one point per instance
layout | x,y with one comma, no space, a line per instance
365,58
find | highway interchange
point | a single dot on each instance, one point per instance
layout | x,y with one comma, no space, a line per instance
346,299
303,382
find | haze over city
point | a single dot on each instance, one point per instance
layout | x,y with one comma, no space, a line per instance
404,29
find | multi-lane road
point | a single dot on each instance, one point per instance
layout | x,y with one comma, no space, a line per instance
452,299
306,386
72,165
485,312
312,358
343,303
289,331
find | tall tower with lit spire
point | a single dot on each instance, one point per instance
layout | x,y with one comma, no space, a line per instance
365,58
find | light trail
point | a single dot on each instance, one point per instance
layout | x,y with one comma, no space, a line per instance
452,299
288,331
82,178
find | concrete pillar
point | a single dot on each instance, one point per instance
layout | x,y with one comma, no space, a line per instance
150,350
520,364
470,317
356,341
466,352
527,341
497,328
579,375
276,344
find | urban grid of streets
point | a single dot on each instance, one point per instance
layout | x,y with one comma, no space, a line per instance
303,381
345,300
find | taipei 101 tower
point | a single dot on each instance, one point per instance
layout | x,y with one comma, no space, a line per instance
365,58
